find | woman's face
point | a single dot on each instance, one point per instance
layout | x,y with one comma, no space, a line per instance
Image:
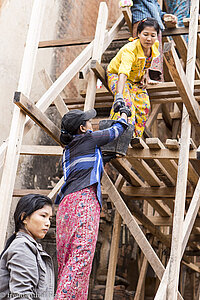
38,223
147,37
87,126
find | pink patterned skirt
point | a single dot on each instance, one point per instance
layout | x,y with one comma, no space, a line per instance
77,223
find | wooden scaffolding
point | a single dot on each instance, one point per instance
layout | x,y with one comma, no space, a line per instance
163,175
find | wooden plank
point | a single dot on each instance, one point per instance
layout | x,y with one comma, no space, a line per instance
186,21
177,31
121,37
138,143
41,150
185,82
172,144
162,90
128,18
124,167
141,280
182,83
168,221
167,116
3,149
171,276
152,192
114,248
169,165
100,73
79,41
153,116
56,188
23,192
37,116
145,171
96,55
142,276
59,102
134,228
18,120
133,154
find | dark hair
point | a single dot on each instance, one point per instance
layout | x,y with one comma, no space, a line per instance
67,137
148,22
25,207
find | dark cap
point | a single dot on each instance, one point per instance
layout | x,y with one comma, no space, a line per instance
74,118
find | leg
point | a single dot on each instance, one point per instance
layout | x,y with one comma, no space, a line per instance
77,230
128,94
142,107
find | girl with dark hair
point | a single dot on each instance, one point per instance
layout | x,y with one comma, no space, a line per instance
125,74
26,270
78,214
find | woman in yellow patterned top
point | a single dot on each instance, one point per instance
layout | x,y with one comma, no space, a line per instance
126,74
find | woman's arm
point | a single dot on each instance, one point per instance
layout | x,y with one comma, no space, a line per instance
121,83
23,269
105,136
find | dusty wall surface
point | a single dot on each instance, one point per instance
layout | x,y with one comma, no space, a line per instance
14,21
78,20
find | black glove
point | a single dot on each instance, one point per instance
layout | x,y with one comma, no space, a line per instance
126,110
119,102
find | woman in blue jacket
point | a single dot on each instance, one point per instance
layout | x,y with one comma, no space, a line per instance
78,214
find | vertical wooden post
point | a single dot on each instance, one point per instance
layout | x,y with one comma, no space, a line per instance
97,53
114,248
142,276
179,209
18,120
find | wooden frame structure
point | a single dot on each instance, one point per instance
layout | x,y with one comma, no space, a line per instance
164,176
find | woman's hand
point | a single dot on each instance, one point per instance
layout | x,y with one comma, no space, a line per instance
172,18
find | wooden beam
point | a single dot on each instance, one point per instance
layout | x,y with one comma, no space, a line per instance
171,275
153,116
140,216
134,228
168,221
18,119
187,228
152,192
100,73
182,83
141,280
121,37
23,192
37,116
96,55
124,167
145,171
177,31
133,154
114,247
128,18
41,150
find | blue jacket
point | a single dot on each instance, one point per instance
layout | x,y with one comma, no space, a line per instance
82,159
147,8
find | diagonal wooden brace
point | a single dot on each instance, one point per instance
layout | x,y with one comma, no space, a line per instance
182,84
133,226
37,116
187,228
